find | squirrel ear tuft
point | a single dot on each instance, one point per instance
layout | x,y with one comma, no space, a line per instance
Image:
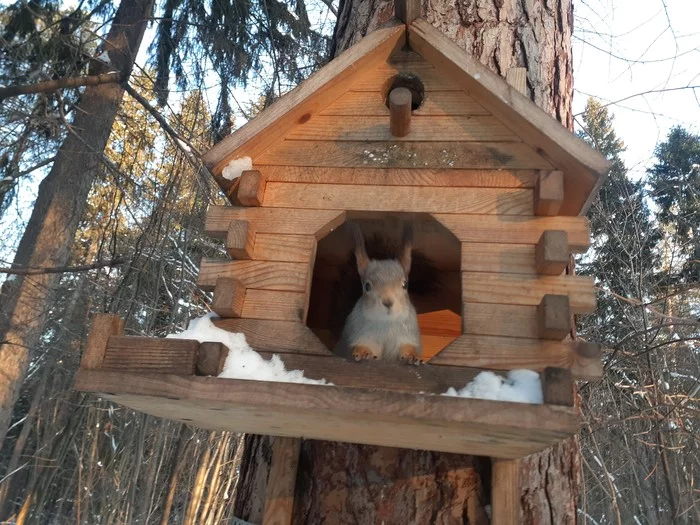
360,251
407,248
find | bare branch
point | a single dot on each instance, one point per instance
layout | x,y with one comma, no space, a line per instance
61,83
62,269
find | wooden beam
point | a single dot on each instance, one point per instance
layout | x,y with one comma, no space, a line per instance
275,336
557,386
552,252
259,275
355,415
517,78
211,358
240,239
505,491
589,350
407,10
103,327
229,297
549,193
554,317
251,190
281,481
400,101
275,305
150,354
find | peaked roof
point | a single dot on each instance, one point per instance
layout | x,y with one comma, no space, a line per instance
584,168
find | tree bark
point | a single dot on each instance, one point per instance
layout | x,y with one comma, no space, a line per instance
49,236
344,483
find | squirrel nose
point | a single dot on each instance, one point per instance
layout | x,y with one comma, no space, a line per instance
388,303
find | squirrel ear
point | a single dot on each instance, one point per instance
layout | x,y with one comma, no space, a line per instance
360,251
407,248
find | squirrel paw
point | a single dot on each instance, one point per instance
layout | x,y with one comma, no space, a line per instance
360,353
409,355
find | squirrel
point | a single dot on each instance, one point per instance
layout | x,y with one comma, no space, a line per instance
383,324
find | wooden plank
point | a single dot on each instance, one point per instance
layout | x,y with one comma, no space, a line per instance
229,296
508,353
400,102
557,386
510,288
103,327
413,199
505,491
372,417
506,320
516,230
517,77
274,305
499,258
279,494
435,104
275,336
423,129
310,97
585,169
263,275
240,239
399,154
554,317
443,322
549,193
251,188
379,78
552,252
403,177
284,248
211,358
150,354
407,10
269,220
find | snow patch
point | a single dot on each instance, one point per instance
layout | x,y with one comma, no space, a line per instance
183,146
521,386
242,362
234,168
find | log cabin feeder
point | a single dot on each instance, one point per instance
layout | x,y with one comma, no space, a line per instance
403,126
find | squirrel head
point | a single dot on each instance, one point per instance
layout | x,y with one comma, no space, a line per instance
384,282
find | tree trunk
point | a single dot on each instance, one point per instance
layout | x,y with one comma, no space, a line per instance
344,483
48,239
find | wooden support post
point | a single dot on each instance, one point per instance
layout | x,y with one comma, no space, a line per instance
252,188
505,491
553,315
240,239
210,359
281,482
549,192
517,77
407,10
229,295
400,100
552,252
557,386
588,350
103,327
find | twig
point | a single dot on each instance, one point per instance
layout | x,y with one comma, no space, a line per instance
62,269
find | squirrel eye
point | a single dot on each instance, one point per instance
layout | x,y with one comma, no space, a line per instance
405,284
368,287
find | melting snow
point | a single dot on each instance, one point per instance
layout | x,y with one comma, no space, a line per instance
234,168
521,386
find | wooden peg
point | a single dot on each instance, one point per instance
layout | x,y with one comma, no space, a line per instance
407,10
400,101
240,239
588,350
229,295
210,359
552,252
557,386
553,315
251,189
103,327
505,491
281,481
549,192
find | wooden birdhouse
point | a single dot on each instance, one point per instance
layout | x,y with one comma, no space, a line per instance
403,127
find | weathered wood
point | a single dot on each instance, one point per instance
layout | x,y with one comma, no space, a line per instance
150,354
240,239
552,252
549,193
210,359
310,97
373,104
376,417
229,296
275,336
251,190
507,320
505,491
403,154
284,248
557,386
510,288
263,275
553,317
103,327
585,168
516,230
279,494
274,305
407,10
474,128
482,201
400,102
588,349
270,220
403,177
517,78
508,353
